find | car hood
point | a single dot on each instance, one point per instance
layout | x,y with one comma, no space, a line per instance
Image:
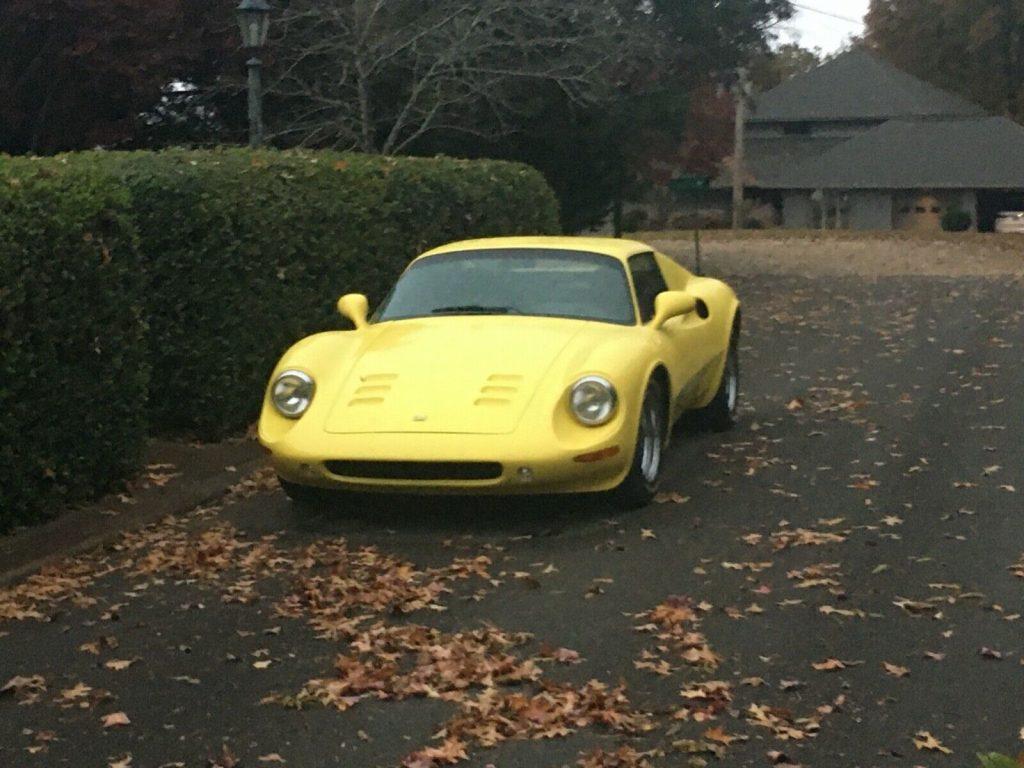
458,375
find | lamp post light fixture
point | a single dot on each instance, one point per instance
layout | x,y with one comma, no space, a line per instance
254,23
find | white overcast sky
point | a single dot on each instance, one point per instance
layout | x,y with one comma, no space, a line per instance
825,24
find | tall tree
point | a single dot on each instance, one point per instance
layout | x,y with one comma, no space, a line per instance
379,75
770,68
709,130
77,73
695,44
594,155
974,47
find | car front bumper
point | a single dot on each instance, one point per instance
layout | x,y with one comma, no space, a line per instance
526,466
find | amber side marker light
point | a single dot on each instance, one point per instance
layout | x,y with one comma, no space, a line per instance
590,458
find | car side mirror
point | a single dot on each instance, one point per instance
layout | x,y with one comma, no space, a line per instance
356,308
672,304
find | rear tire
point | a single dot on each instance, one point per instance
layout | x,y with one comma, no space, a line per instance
721,413
644,478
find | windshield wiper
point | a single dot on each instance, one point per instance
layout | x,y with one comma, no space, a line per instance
475,309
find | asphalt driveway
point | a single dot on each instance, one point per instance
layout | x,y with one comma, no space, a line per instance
838,582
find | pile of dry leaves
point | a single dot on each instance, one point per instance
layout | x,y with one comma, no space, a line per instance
674,624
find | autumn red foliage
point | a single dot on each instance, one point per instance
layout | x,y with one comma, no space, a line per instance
709,131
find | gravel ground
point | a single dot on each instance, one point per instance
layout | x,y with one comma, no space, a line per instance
872,257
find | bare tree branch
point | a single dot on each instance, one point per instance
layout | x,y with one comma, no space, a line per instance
381,74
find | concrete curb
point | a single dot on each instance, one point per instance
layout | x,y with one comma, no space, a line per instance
85,529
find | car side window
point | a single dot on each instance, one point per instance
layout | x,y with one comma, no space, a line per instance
648,281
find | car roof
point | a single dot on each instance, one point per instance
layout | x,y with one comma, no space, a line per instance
619,249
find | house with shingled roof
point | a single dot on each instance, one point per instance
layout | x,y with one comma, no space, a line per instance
859,144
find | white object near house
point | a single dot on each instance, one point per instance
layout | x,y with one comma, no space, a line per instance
1010,222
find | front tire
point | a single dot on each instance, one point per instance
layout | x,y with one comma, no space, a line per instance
642,482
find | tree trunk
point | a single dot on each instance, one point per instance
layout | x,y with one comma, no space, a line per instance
366,136
617,203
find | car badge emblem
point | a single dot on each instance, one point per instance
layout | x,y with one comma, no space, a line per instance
419,417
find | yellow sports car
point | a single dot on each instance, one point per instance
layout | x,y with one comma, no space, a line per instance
508,366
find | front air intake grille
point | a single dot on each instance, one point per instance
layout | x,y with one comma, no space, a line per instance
416,470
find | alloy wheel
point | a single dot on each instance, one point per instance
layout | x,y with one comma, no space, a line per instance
650,443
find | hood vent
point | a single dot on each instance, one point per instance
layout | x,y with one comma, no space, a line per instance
373,390
499,389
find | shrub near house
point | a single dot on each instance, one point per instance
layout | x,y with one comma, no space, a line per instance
225,258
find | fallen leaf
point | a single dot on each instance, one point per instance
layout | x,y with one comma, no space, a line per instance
107,641
834,665
923,740
70,695
226,759
752,567
913,607
115,719
561,655
671,497
829,610
718,734
895,670
119,665
27,689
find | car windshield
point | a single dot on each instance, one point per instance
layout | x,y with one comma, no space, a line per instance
514,281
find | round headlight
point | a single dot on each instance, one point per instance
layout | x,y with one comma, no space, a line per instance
593,401
291,393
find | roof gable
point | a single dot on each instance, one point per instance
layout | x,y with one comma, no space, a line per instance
858,86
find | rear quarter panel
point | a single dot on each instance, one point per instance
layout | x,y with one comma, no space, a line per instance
724,310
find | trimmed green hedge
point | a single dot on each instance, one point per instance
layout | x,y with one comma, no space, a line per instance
160,288
247,252
73,372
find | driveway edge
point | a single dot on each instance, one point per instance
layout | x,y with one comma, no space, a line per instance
97,525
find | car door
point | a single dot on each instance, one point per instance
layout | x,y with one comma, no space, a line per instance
682,341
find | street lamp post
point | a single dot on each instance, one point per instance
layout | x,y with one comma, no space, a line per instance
254,23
